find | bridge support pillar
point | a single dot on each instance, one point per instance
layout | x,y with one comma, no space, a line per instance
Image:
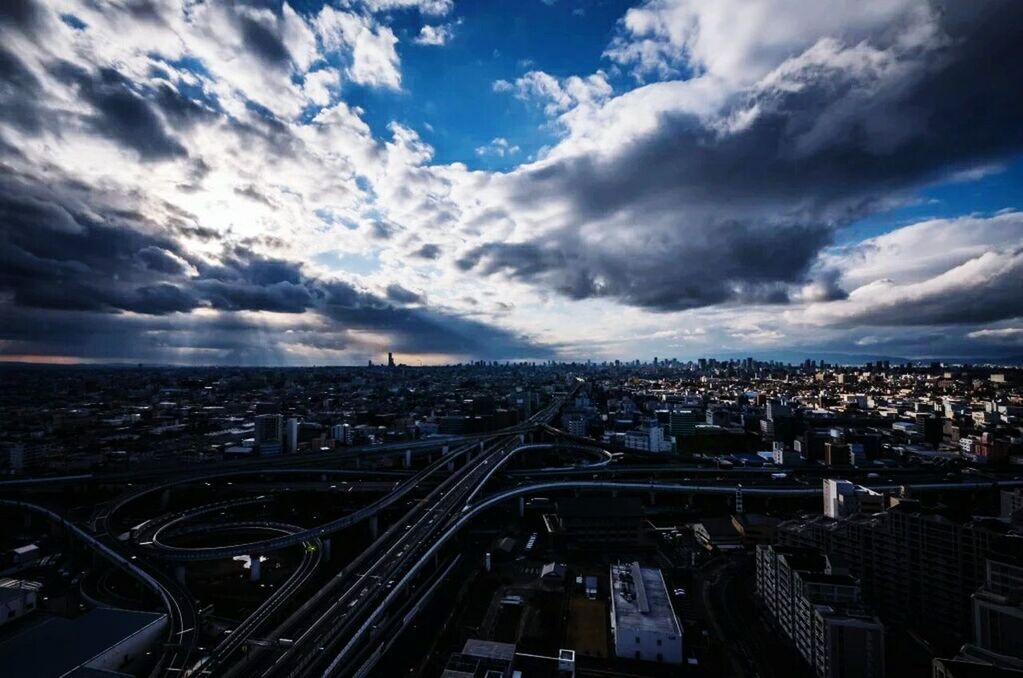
358,462
451,466
653,498
522,507
522,439
179,574
408,458
164,499
374,526
255,568
326,549
444,451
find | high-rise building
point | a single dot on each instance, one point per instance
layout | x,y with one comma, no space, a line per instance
913,564
998,610
269,428
820,610
291,442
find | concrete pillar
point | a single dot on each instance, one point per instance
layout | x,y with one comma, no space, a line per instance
165,499
326,549
179,574
444,451
522,439
522,507
451,466
255,568
408,458
374,526
653,498
358,462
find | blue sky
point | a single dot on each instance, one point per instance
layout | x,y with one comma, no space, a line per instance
311,182
448,96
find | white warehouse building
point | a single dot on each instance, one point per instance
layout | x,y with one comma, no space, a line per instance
643,622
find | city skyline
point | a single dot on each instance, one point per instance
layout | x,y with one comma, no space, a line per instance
307,183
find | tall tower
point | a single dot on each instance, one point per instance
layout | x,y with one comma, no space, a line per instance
390,360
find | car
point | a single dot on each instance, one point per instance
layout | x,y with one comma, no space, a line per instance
680,592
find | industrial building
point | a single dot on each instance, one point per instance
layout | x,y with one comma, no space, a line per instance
643,623
103,640
17,598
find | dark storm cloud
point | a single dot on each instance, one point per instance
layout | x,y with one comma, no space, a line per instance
400,295
73,267
690,217
264,43
428,251
18,89
120,113
160,260
23,14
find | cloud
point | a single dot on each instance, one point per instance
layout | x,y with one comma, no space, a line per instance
704,206
1012,336
558,94
399,294
740,42
435,35
374,60
196,179
498,146
428,251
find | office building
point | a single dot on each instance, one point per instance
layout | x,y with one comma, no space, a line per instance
683,422
843,499
269,428
598,522
649,438
291,439
643,623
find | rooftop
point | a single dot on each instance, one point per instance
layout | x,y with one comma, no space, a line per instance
31,653
639,599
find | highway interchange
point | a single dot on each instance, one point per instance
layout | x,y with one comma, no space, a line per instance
345,625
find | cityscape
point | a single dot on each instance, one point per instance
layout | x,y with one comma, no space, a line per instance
511,339
664,518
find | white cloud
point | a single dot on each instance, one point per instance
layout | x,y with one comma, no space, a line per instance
374,58
739,42
435,35
499,146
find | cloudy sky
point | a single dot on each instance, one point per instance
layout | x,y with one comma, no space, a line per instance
301,182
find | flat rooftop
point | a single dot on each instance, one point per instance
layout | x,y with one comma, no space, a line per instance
639,599
76,641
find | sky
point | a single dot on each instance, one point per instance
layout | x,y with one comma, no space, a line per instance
310,183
